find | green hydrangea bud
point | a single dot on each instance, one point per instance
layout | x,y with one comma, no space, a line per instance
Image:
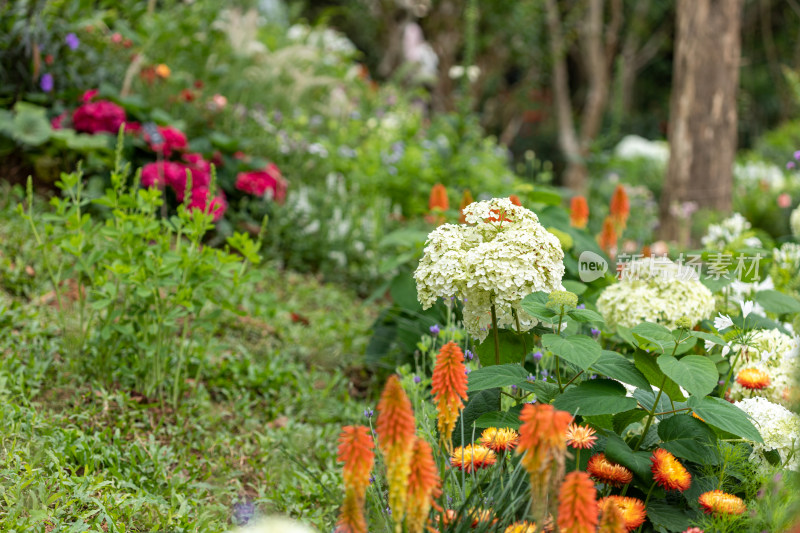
560,301
684,323
564,238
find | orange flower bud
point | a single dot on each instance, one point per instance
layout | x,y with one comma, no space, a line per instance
578,212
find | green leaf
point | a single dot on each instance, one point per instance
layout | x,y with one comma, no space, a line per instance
481,403
708,337
586,315
617,366
545,391
619,452
648,334
574,286
500,419
580,350
695,373
534,305
703,453
777,302
626,335
685,427
600,421
648,366
595,397
670,517
512,349
491,377
626,418
726,416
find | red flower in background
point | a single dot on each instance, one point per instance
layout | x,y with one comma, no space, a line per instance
89,95
133,128
260,182
172,140
201,200
57,123
96,117
163,173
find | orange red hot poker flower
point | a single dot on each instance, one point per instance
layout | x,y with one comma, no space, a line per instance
577,508
423,484
620,207
578,212
355,451
668,472
449,389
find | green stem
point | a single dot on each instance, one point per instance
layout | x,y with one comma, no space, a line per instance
730,373
647,499
651,414
558,332
496,336
522,337
577,459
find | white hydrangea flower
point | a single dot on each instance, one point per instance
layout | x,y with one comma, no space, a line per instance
794,222
729,230
655,290
787,257
501,256
779,427
776,354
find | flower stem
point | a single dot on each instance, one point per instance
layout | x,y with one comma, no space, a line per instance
558,332
577,459
651,415
496,336
647,499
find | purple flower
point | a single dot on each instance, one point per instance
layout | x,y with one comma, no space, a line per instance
721,382
581,306
595,332
468,355
368,412
531,377
513,387
72,41
790,165
797,155
466,371
46,83
417,379
544,373
537,356
434,329
243,512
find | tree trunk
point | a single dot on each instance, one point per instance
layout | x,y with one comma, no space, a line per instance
702,125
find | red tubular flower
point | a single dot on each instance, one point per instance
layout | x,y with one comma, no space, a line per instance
578,212
718,503
620,207
632,509
449,388
395,428
577,508
608,237
466,199
668,472
607,472
423,484
515,200
355,451
438,198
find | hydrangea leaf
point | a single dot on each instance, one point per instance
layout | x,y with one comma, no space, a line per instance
595,397
580,350
617,366
726,416
648,366
695,373
496,376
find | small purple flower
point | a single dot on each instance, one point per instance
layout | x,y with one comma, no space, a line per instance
468,355
368,412
790,165
544,373
595,332
531,377
581,306
797,155
46,83
434,329
417,379
721,382
537,356
466,371
72,41
243,512
513,387
593,376
388,511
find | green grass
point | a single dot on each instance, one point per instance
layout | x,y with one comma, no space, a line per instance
260,428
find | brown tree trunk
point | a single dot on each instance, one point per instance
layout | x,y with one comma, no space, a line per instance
702,124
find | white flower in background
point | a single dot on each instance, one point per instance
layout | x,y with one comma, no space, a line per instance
779,427
729,230
501,256
635,147
758,172
655,290
776,354
794,222
739,291
787,257
722,322
418,52
747,308
275,524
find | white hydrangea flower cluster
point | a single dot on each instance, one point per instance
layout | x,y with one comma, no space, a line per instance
794,222
655,290
729,230
776,354
779,427
500,256
787,257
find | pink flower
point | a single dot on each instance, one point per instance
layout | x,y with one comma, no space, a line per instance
133,128
89,95
163,173
784,200
172,139
100,116
200,200
57,123
262,182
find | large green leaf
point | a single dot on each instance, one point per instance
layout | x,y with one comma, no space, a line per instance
650,335
586,315
695,373
500,419
685,427
479,404
777,302
491,377
626,418
580,350
574,286
619,452
617,366
724,415
534,305
708,337
701,453
669,517
512,349
648,366
595,397
545,391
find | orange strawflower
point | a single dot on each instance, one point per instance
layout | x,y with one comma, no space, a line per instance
423,483
449,388
718,502
472,457
395,428
581,437
466,199
607,472
521,527
577,508
608,237
578,212
753,379
163,71
499,440
620,207
515,200
632,509
611,519
543,441
668,471
355,451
